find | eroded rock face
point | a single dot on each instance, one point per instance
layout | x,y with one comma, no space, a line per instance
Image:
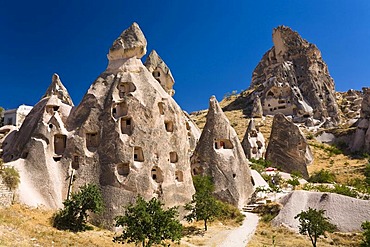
253,142
160,72
293,79
129,136
288,148
257,110
220,155
361,139
36,150
350,104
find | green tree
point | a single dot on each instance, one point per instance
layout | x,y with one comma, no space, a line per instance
366,234
367,173
75,212
148,223
322,176
313,223
203,205
10,176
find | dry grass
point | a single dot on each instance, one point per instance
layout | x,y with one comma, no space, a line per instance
283,237
24,226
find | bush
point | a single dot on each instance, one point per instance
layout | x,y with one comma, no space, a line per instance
74,215
366,234
10,176
322,176
268,211
229,212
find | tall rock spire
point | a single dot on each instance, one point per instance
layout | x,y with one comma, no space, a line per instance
57,88
160,71
128,135
253,142
220,155
293,79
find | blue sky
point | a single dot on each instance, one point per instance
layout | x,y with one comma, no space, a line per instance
211,47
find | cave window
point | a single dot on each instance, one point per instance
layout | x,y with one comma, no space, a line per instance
123,169
76,162
223,144
92,141
120,110
253,133
169,126
187,126
126,126
57,158
173,157
254,150
179,176
125,88
270,93
161,108
156,74
259,144
60,142
234,175
281,107
156,174
50,126
55,108
138,154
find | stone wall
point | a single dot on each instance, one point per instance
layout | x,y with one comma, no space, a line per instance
6,196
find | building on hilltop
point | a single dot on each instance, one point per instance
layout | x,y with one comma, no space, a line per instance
16,116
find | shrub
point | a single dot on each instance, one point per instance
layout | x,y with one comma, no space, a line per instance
366,234
268,211
10,177
322,176
74,215
229,212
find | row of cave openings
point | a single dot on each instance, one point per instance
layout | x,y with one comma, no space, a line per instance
120,110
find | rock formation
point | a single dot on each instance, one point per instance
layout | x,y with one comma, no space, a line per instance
37,148
288,149
345,212
293,79
220,155
253,142
361,139
350,104
160,72
257,110
129,135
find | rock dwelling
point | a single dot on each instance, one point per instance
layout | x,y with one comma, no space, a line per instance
128,135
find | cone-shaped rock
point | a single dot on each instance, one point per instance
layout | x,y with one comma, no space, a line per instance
293,79
160,71
57,88
257,110
361,140
288,149
220,155
129,136
37,148
253,142
131,43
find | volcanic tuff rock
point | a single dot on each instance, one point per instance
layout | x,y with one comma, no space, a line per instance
160,71
345,212
361,140
293,79
288,148
220,155
350,104
37,148
257,110
253,142
129,135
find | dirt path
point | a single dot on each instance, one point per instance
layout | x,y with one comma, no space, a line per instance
241,235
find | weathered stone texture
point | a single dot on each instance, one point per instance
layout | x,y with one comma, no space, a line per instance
253,142
293,79
160,72
288,149
219,154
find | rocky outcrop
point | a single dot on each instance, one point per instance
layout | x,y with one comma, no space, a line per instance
37,148
128,135
293,79
350,104
345,212
288,149
257,110
220,155
253,142
160,72
361,139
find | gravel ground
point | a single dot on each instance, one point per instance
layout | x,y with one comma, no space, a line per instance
241,235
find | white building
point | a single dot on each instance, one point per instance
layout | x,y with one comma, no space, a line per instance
16,116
